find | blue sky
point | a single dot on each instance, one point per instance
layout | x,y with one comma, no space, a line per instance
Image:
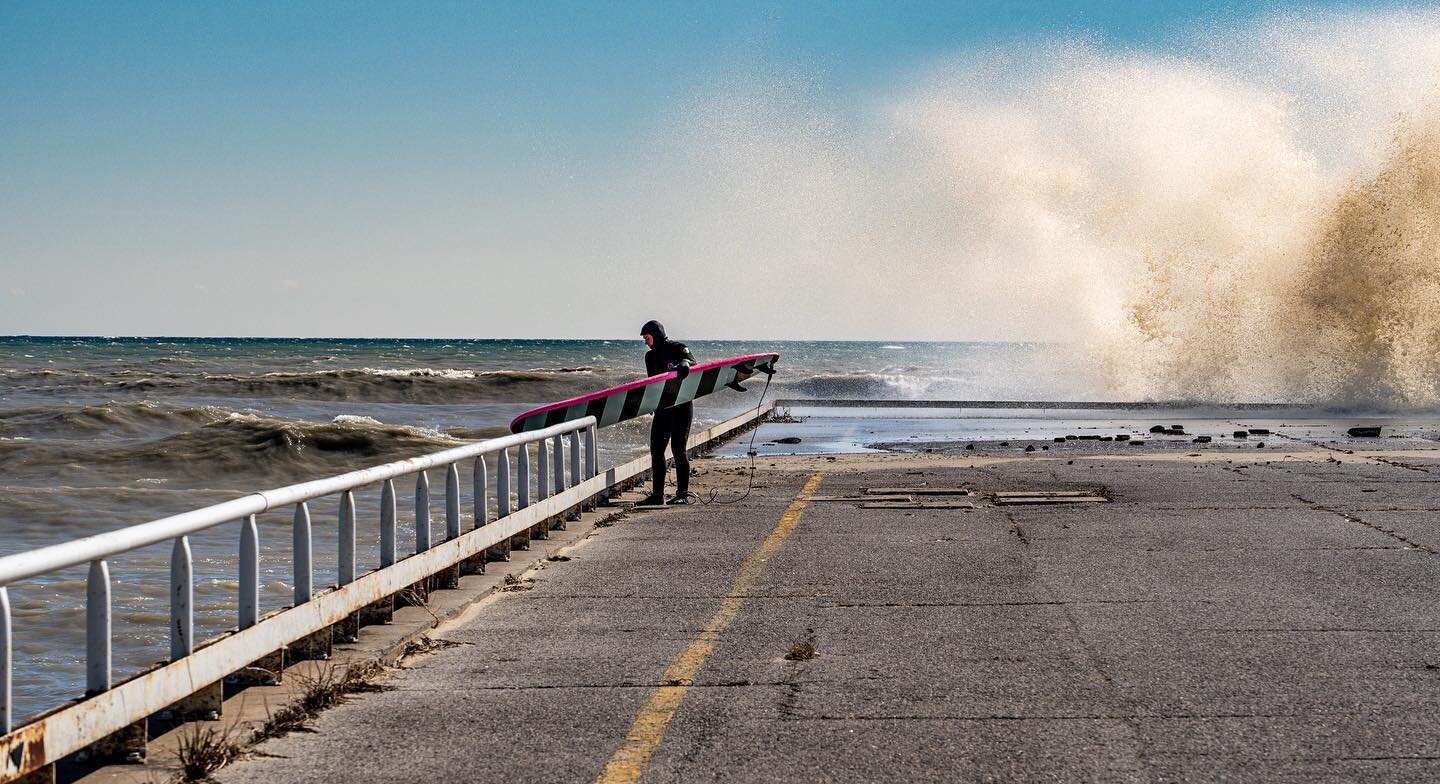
356,168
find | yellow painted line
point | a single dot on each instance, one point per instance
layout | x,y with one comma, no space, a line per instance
648,728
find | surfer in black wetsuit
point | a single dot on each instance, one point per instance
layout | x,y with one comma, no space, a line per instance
670,425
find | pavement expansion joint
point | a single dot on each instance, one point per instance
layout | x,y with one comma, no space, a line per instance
1005,717
1390,532
527,687
1417,758
622,597
789,704
1399,464
1254,549
1305,549
1227,508
1057,603
1118,696
1314,630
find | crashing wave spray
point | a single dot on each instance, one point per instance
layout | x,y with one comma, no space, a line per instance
1231,224
1343,307
1251,217
1365,305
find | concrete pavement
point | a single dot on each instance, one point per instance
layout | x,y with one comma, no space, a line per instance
1270,618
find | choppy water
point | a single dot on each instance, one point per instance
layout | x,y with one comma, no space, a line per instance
98,433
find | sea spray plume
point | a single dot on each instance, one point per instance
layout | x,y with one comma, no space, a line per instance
1158,210
1006,197
1337,305
1346,74
1117,196
1365,307
1180,216
758,177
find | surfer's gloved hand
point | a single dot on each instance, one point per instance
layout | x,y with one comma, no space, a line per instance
681,368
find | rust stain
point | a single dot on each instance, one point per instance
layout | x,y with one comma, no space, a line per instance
23,751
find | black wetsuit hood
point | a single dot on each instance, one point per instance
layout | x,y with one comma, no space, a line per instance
666,354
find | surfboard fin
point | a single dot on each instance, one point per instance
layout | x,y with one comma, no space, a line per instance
735,385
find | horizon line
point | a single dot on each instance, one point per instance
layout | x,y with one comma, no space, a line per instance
508,338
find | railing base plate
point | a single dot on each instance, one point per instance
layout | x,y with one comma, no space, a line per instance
203,704
347,629
378,613
268,670
417,595
475,564
127,745
499,553
317,645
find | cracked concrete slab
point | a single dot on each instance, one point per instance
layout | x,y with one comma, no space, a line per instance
1218,621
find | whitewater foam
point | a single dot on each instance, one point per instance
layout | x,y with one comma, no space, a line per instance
449,373
352,419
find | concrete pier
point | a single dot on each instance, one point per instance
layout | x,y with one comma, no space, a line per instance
1223,616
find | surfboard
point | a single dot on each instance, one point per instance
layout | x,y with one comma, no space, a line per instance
647,395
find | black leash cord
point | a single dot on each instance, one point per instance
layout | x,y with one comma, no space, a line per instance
750,483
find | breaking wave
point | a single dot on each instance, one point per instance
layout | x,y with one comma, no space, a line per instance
236,448
108,419
878,386
377,385
254,443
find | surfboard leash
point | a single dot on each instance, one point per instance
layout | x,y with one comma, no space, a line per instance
750,452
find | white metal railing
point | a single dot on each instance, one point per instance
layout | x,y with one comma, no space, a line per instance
554,492
111,708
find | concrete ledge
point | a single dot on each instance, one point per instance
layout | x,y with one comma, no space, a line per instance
1076,405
